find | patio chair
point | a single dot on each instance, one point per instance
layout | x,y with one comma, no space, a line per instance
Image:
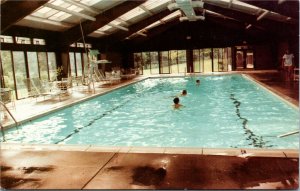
108,77
7,97
39,88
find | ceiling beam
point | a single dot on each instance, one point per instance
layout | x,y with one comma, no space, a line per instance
121,35
287,8
13,11
70,12
146,10
74,34
265,24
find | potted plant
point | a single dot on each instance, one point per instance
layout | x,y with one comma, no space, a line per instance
59,72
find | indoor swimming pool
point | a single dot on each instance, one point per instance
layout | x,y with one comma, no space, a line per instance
225,111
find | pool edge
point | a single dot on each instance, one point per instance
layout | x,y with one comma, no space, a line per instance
238,152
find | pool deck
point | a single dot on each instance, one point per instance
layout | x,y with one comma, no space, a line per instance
26,166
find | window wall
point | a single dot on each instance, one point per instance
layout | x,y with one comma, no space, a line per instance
43,66
33,66
221,59
146,59
165,62
52,66
77,62
20,73
175,61
8,72
154,63
17,66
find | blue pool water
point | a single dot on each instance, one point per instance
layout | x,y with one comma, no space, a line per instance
227,111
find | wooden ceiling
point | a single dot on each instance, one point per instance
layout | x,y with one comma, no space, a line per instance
227,27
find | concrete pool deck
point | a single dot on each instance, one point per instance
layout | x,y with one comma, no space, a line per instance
90,167
25,166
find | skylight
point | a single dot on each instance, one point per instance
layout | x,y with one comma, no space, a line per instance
104,28
115,22
165,19
60,16
152,4
131,14
44,10
90,2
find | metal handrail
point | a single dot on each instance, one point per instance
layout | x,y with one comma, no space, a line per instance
2,128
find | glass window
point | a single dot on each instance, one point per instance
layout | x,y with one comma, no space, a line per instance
182,61
20,74
207,58
85,62
138,62
72,64
196,60
87,45
201,55
154,63
42,59
38,41
164,62
173,60
6,39
22,40
33,65
249,59
146,63
216,62
79,44
78,63
52,66
7,66
229,59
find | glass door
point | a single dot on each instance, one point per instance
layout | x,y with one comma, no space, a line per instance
249,59
244,59
239,59
164,62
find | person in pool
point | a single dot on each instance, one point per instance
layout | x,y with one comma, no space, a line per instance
176,105
198,82
183,93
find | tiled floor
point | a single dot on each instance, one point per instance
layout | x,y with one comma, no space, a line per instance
90,167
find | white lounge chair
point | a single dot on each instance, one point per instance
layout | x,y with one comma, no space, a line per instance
108,77
37,88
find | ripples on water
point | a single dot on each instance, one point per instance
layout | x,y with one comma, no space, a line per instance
224,111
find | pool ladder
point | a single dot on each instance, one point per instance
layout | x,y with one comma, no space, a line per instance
2,128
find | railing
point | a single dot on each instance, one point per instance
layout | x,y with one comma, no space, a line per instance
2,128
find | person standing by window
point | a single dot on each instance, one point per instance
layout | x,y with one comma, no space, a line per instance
287,64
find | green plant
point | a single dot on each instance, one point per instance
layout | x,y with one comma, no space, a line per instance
59,71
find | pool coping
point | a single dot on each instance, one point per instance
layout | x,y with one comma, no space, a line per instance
238,152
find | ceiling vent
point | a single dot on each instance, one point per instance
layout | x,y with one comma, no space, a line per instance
187,7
